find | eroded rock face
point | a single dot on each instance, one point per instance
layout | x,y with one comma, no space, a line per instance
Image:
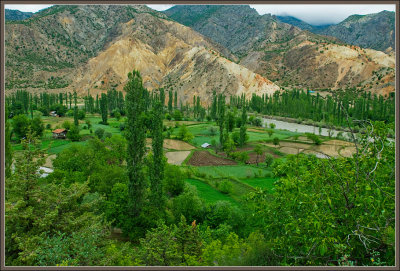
175,57
294,58
93,47
114,40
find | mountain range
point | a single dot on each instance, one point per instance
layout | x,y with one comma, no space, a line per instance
191,49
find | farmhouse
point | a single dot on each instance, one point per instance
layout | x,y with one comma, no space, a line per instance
53,113
205,145
59,133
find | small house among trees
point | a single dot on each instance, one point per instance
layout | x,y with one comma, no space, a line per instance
53,113
205,145
59,133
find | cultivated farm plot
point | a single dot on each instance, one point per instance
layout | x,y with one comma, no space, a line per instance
204,158
173,144
176,157
334,148
177,145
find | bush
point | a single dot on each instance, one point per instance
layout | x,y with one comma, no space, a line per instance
66,125
212,130
275,141
177,115
314,138
73,133
257,122
89,124
116,114
173,180
99,133
81,114
48,126
269,159
188,204
225,187
107,135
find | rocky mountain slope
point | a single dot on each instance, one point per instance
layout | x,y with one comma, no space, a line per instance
16,15
374,31
237,27
80,48
287,55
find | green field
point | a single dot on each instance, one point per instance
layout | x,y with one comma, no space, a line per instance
264,183
208,193
239,171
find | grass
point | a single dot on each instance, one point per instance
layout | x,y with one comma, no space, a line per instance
208,193
240,171
264,183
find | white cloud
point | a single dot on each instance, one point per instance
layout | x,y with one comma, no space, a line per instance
27,8
160,7
322,14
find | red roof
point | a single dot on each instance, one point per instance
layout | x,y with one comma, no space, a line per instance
58,131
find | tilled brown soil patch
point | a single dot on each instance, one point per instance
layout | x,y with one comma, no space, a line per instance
204,158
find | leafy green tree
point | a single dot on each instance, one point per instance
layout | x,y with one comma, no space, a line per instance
170,100
270,132
243,134
230,121
214,106
20,125
177,115
343,202
40,216
189,243
275,141
184,134
159,247
135,134
8,149
73,133
37,126
104,108
314,138
174,180
99,132
259,152
158,164
221,118
176,100
188,204
272,125
269,159
76,117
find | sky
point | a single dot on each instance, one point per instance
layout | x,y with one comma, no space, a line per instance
311,13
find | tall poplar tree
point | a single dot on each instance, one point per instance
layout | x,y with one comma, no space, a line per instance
242,135
8,149
103,108
157,167
136,138
170,98
76,122
221,118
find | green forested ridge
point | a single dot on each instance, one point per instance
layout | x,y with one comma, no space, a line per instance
256,205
